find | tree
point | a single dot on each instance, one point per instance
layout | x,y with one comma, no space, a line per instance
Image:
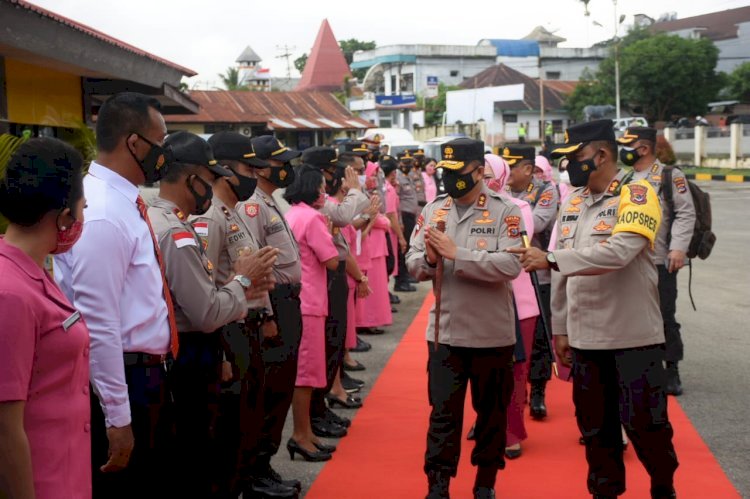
349,47
738,83
589,91
434,108
300,62
231,79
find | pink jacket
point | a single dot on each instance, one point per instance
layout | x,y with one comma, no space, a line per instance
430,187
523,290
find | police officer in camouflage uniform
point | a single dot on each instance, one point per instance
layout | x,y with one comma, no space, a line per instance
678,220
477,318
544,200
201,307
605,312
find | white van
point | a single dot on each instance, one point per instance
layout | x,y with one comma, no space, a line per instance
397,139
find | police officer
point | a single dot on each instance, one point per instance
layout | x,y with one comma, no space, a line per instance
416,175
337,173
673,240
605,312
200,306
225,237
477,321
544,200
266,223
409,206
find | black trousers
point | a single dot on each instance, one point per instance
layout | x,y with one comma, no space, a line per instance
450,369
613,387
280,362
668,305
409,220
151,469
240,407
338,295
541,363
195,382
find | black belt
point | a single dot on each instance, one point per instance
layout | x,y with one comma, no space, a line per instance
138,359
288,290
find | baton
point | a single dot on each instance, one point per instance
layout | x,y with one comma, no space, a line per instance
438,286
542,315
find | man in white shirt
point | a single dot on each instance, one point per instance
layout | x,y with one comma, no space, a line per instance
114,278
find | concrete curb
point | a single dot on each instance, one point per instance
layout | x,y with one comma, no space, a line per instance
725,178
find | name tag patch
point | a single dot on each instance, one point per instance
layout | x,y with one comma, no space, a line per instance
70,321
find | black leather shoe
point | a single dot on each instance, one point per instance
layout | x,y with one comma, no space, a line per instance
326,448
295,484
370,330
351,402
331,417
404,288
350,384
362,346
438,484
357,366
322,428
537,408
395,300
674,385
294,448
484,493
268,487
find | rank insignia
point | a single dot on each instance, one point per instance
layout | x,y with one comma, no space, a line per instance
482,202
655,168
602,226
209,265
251,210
613,186
513,223
179,214
638,194
225,211
234,228
572,209
439,215
576,200
656,178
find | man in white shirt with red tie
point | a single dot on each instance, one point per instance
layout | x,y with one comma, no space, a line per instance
114,278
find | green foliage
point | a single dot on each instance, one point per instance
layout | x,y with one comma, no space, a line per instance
348,47
231,79
300,62
589,91
738,83
83,139
8,145
434,108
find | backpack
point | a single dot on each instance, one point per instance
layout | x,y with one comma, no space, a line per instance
703,239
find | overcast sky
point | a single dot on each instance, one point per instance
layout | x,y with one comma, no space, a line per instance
207,36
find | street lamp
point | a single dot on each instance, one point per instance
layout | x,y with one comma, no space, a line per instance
616,39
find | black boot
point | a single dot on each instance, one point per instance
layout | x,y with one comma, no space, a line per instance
674,385
537,407
268,487
438,483
484,493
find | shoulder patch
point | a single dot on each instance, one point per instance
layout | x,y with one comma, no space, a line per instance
419,224
639,211
680,184
201,228
638,194
251,210
514,228
182,239
545,199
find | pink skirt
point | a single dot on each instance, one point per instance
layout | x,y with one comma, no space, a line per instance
375,310
516,428
311,363
351,315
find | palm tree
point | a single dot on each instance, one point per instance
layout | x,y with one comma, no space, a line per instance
231,79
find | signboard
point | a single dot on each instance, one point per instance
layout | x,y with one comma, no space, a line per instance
432,87
395,101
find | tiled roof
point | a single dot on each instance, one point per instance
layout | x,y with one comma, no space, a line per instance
717,25
97,34
326,68
277,110
248,55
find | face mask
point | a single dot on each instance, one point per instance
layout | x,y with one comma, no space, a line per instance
430,169
152,164
362,179
282,177
202,202
321,201
629,156
245,188
493,184
564,177
404,168
457,185
580,171
67,237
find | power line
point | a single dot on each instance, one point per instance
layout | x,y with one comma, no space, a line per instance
286,55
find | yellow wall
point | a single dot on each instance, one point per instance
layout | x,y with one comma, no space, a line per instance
196,128
41,96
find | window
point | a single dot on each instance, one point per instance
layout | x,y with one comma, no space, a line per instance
454,72
407,83
552,75
510,118
394,90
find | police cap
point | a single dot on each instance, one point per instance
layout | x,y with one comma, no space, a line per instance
578,135
322,157
234,146
188,149
269,147
634,133
459,152
514,153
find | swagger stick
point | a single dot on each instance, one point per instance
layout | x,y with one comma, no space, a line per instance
542,315
438,286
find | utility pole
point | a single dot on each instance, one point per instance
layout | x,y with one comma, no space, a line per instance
617,62
287,54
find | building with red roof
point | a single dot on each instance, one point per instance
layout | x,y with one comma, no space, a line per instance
326,68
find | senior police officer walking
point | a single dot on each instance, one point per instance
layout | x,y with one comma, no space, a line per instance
678,221
544,200
605,312
200,307
476,320
266,222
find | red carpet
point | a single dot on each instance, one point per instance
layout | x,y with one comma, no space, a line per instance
383,455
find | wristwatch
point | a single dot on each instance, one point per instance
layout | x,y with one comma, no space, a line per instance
244,281
361,279
365,216
552,261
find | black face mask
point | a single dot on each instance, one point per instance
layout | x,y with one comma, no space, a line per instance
629,156
405,168
457,185
282,177
333,185
245,188
202,202
154,161
580,171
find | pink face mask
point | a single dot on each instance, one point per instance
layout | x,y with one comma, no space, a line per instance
67,237
321,201
493,184
430,169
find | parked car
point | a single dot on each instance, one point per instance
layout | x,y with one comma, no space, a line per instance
621,124
432,146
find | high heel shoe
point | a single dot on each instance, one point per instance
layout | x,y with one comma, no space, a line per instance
325,448
294,448
350,402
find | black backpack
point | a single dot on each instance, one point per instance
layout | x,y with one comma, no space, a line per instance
703,239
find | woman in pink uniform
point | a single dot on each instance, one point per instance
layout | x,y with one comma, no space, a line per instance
389,166
543,171
317,253
496,176
374,311
45,439
428,177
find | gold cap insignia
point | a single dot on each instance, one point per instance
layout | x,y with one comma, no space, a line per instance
448,153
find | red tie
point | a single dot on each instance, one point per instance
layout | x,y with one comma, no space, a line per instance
173,338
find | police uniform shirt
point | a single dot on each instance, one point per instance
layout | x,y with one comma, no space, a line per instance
225,237
477,294
684,211
198,304
267,224
342,214
416,179
605,295
407,193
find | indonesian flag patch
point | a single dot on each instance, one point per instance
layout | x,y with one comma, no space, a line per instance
182,239
201,228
